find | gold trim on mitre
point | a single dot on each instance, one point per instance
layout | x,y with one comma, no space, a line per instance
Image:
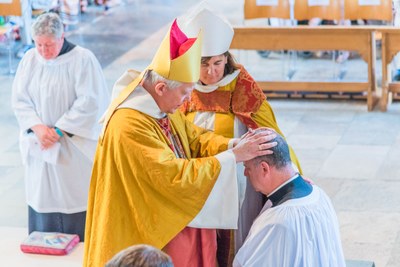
184,68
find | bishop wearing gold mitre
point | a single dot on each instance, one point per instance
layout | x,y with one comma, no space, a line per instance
157,178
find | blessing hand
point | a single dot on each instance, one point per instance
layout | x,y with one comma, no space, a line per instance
254,144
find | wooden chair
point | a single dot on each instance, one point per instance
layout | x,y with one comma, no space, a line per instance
253,11
302,10
353,10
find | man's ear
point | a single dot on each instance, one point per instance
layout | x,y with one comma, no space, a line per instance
160,88
266,169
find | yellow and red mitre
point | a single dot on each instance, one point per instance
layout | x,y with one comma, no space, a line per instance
178,58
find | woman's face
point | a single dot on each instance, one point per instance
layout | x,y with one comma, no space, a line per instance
49,46
212,71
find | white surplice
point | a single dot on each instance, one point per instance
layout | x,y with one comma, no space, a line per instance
300,232
68,92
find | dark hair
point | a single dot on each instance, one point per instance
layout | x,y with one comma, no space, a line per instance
230,66
140,256
281,156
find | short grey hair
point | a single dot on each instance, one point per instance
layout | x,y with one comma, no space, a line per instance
140,256
48,24
153,77
281,156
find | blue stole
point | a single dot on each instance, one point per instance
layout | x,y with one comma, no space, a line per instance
297,188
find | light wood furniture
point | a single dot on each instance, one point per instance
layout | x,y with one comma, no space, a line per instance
283,10
390,47
252,11
12,9
302,11
331,11
353,10
360,39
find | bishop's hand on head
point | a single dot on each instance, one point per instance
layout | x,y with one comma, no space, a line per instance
254,144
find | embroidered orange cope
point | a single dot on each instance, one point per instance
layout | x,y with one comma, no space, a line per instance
242,97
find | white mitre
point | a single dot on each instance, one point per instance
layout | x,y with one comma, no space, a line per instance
217,31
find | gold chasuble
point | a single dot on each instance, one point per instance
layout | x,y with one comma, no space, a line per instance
140,191
133,180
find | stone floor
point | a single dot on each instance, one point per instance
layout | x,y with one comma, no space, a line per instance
351,153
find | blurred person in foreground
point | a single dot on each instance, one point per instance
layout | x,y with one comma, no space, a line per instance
227,101
158,179
58,95
297,225
140,256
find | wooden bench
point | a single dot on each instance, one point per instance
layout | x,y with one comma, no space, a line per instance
360,39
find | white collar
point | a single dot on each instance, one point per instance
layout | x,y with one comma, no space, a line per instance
142,101
212,87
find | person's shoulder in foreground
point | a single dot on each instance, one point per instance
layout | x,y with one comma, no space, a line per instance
140,256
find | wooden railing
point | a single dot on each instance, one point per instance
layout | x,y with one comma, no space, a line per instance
360,39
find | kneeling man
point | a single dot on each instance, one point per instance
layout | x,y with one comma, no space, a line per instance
297,226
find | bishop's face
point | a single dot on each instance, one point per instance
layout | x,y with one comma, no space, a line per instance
49,46
172,99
